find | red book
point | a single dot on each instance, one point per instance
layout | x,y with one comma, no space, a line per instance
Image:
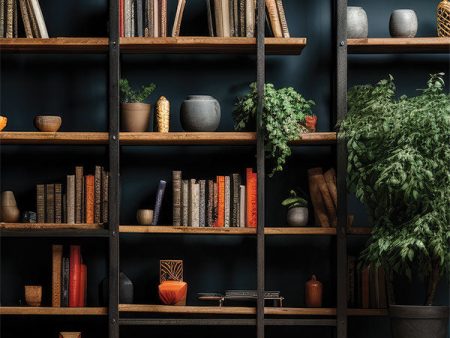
121,34
221,202
252,199
90,198
74,275
83,286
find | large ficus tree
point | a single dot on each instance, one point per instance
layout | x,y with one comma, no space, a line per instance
399,167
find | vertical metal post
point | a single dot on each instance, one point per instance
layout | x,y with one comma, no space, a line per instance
114,196
260,80
341,110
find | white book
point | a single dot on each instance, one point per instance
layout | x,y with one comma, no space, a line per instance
127,11
156,19
242,206
196,205
39,19
226,18
250,18
227,201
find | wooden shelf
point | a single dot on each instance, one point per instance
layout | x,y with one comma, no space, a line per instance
399,45
360,231
54,45
49,226
53,311
367,312
216,138
37,137
210,45
300,231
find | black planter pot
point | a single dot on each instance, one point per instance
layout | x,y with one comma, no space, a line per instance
126,290
419,321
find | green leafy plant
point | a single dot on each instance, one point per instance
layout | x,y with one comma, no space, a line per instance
294,201
129,95
399,166
283,118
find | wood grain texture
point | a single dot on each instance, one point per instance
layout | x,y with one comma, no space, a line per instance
49,226
399,45
19,137
51,311
367,312
54,45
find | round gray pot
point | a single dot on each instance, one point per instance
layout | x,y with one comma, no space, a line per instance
297,217
403,23
200,113
419,321
357,23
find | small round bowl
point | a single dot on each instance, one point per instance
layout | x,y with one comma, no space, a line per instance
47,123
144,216
3,122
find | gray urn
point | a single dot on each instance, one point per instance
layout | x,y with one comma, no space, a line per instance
200,113
357,23
403,23
297,217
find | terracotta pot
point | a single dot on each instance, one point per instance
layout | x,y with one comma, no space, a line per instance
173,292
311,123
10,213
135,117
144,216
313,292
33,295
3,122
47,123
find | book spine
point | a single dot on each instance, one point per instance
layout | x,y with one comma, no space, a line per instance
83,286
250,18
220,201
9,18
195,205
40,203
316,197
75,275
146,18
274,19
39,19
235,200
25,18
64,208
57,251
58,203
150,18
139,18
226,18
191,202
156,18
227,201
90,198
252,203
218,16
33,22
65,282
210,204
15,20
105,196
163,28
185,203
158,203
83,200
127,15
231,17
209,9
2,18
133,19
215,210
330,179
176,181
236,17
50,203
202,204
121,19
242,6
283,21
242,206
178,18
98,195
78,193
326,196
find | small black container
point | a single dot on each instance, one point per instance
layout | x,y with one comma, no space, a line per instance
126,290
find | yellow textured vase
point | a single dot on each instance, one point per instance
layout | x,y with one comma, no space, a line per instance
163,114
443,18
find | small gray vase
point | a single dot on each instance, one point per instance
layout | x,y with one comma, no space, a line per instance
200,113
357,23
297,217
403,23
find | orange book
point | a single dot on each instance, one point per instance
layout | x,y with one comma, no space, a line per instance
252,199
74,275
221,202
83,286
90,198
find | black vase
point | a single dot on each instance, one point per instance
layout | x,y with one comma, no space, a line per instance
126,290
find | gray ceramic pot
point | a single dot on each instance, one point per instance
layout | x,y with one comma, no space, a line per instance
357,23
403,23
200,113
297,217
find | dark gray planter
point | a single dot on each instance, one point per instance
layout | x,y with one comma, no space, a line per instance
419,321
126,290
403,23
297,217
200,113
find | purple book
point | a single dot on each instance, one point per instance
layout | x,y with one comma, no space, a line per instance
158,203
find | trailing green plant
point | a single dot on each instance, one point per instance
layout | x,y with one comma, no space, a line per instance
294,201
283,119
129,95
399,167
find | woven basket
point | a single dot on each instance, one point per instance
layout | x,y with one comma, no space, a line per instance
443,18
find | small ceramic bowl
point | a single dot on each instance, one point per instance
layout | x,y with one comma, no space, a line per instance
144,216
47,123
33,295
3,122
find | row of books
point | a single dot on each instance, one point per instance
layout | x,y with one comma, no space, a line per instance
223,202
32,19
84,199
323,193
237,18
69,277
367,287
147,18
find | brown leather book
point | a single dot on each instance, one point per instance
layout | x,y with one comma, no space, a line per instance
90,198
25,18
9,18
78,194
33,21
15,19
40,203
2,19
163,18
58,203
176,207
242,8
274,18
70,199
156,17
178,18
326,196
50,203
57,253
98,195
330,178
105,196
283,21
316,198
218,16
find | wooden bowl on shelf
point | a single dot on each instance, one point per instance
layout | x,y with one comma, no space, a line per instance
33,295
3,122
47,123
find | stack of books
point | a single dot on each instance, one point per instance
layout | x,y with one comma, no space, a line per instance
147,18
222,202
84,199
32,18
323,193
69,277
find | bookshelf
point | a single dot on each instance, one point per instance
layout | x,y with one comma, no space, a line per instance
52,311
431,45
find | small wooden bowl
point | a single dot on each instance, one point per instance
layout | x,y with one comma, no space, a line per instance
3,122
144,216
47,123
33,295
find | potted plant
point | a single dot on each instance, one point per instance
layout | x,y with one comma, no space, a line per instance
297,215
399,167
284,119
135,113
